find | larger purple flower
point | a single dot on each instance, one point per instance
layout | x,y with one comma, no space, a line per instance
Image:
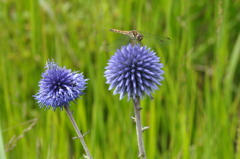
59,86
135,71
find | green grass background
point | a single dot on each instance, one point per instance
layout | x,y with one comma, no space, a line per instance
194,115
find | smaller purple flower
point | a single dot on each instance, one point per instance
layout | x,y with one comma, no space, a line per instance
59,86
135,71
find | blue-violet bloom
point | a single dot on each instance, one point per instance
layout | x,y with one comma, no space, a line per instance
59,86
135,71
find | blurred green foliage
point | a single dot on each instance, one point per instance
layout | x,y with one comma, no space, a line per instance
194,115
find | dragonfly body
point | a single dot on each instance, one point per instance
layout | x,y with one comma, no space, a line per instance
135,36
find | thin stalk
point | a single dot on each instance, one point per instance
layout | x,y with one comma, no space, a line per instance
137,109
80,136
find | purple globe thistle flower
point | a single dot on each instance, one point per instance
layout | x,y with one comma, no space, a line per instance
59,86
135,71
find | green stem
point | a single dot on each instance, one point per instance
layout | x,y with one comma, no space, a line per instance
80,136
137,109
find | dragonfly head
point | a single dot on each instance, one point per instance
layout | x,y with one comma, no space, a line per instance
139,37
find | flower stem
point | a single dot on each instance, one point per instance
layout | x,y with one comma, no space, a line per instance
137,109
80,136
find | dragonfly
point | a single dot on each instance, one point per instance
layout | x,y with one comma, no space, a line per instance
135,37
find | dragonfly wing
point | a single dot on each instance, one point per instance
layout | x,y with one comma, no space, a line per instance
119,42
155,39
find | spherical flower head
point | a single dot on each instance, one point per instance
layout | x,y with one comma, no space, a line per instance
135,71
59,86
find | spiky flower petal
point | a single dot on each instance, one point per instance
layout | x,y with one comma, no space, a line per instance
59,86
135,71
